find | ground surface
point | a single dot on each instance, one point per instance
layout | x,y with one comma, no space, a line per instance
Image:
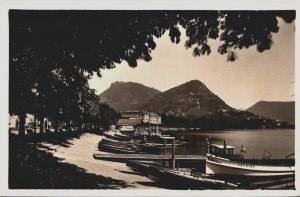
79,152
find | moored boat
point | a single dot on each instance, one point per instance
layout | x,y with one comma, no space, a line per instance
117,142
117,149
149,148
116,135
221,161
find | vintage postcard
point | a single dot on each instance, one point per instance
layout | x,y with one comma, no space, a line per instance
150,101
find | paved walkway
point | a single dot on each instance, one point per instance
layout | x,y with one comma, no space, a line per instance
80,153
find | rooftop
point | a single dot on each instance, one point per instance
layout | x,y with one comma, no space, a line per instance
129,121
221,146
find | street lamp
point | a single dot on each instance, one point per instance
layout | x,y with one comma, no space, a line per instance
35,92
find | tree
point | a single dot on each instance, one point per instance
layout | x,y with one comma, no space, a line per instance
107,115
94,40
61,49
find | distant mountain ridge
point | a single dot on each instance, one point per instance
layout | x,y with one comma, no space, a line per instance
190,104
283,111
191,99
127,95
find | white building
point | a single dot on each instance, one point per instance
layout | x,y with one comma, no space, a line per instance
134,119
151,118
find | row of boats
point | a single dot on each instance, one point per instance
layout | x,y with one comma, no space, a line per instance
116,142
223,168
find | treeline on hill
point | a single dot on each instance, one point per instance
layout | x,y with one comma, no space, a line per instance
211,123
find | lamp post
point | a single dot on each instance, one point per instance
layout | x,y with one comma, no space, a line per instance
35,92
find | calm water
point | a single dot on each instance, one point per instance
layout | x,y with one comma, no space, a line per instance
278,142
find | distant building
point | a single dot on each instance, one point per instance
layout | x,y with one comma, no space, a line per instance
129,125
151,118
13,122
132,114
132,120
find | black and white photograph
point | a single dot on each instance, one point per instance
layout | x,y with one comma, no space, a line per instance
151,99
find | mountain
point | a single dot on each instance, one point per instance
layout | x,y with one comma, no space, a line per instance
127,95
193,105
283,111
191,99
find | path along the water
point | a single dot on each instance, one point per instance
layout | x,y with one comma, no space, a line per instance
80,152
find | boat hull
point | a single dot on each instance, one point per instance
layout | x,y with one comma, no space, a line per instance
220,166
115,149
174,179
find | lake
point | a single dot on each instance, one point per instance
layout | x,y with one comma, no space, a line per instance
279,142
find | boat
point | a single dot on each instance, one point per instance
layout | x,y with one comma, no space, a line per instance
116,135
140,166
117,142
115,146
168,145
221,161
179,179
150,148
117,149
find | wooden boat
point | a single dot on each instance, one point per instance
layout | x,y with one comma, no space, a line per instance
149,148
117,149
117,142
168,145
140,166
116,135
176,179
221,161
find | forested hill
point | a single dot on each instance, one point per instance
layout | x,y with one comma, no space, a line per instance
127,95
191,99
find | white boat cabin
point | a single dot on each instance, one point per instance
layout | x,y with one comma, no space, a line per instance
219,150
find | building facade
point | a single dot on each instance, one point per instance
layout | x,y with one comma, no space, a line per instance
132,120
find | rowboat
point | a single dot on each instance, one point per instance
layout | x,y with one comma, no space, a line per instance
116,135
221,161
117,149
117,142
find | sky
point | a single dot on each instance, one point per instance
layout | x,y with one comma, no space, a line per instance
253,77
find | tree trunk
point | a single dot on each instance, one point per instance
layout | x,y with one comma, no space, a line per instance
80,126
22,117
42,124
86,126
55,126
68,125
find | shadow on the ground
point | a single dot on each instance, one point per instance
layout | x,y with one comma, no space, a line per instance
129,172
153,184
30,168
55,138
